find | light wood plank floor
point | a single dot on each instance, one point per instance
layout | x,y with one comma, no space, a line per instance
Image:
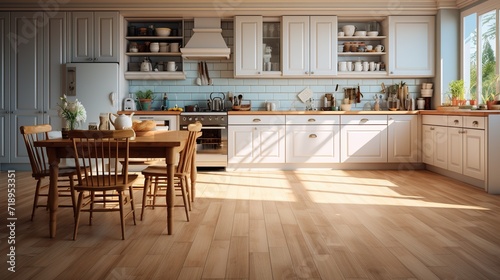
275,225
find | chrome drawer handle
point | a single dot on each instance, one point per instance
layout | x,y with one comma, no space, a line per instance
311,120
256,120
313,136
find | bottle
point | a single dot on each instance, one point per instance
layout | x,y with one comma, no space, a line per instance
165,101
358,95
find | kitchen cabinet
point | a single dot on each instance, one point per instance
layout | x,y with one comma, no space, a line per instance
402,138
34,77
435,141
5,110
349,52
411,45
95,37
252,36
466,146
256,139
309,46
312,139
158,59
363,138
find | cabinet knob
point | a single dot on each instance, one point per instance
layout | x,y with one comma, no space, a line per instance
363,120
432,128
475,123
311,120
307,73
40,112
312,73
89,59
95,58
313,136
256,120
259,72
455,121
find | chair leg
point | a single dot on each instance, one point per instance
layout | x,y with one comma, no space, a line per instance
35,200
155,190
72,191
91,207
77,216
188,190
131,194
147,185
122,219
184,196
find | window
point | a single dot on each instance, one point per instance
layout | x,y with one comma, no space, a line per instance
480,51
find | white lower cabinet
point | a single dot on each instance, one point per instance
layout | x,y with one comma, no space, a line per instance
256,139
312,139
402,138
435,145
363,138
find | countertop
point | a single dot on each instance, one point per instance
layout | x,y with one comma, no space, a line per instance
477,113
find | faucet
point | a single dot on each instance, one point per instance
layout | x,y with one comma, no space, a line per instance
309,106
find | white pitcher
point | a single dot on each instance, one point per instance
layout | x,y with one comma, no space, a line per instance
122,121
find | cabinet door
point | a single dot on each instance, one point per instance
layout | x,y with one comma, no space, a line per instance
323,56
248,45
440,146
240,144
269,144
363,143
313,144
295,45
474,153
411,45
402,139
106,37
428,144
54,49
455,149
26,78
4,87
82,40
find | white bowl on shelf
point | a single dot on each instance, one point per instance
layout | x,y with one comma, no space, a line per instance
162,31
348,30
360,33
372,33
426,92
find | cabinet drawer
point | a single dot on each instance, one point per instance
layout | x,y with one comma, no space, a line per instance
455,121
435,120
313,119
474,122
364,119
257,119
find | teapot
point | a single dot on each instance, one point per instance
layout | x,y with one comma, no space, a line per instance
216,103
146,65
121,121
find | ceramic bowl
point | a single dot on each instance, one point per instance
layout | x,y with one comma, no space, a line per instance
360,33
372,33
345,107
426,92
162,31
348,30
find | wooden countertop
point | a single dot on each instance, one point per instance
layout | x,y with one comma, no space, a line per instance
150,112
322,112
475,113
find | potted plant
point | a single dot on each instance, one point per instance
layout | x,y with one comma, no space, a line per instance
490,89
457,91
473,98
145,99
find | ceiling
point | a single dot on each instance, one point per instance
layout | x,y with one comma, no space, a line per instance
239,7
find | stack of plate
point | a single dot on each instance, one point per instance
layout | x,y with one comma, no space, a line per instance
426,90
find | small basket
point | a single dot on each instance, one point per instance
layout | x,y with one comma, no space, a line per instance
246,105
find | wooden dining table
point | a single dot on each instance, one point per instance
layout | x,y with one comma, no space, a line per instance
156,144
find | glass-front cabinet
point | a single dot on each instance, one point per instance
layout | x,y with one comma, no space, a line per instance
257,46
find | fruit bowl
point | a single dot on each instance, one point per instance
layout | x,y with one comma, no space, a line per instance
162,31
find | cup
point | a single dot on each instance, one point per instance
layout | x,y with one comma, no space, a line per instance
349,66
154,47
163,47
358,66
420,104
369,48
365,66
341,34
171,67
340,48
379,48
377,66
174,47
372,66
343,66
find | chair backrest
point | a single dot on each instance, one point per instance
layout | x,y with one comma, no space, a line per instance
95,149
186,154
37,155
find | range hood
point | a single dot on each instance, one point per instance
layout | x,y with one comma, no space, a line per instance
206,42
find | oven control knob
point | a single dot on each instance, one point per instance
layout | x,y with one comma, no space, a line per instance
222,118
202,119
216,118
195,118
190,118
183,118
209,118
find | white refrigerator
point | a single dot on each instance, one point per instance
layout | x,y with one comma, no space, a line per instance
95,85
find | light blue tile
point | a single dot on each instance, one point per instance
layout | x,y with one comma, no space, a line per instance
251,82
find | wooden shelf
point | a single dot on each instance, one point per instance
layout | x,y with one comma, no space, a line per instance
361,53
153,53
155,75
153,38
363,38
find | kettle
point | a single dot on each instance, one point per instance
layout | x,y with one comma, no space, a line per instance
146,65
216,103
121,121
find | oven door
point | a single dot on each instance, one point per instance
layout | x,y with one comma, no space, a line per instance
211,146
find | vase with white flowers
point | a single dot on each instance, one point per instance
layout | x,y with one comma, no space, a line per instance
72,111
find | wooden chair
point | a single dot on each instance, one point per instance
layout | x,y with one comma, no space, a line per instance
97,150
40,167
156,175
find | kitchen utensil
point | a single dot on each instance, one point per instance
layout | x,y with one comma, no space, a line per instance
146,65
204,80
305,95
198,79
217,102
129,104
209,80
240,98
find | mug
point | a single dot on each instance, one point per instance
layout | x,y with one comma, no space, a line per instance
369,48
365,66
342,66
349,66
379,48
174,47
372,66
358,66
163,47
171,67
154,47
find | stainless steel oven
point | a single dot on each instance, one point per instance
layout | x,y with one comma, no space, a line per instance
211,148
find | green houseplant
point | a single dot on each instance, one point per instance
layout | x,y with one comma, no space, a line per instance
145,99
457,91
490,89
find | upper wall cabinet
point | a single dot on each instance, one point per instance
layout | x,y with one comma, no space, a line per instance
94,37
257,46
411,45
309,45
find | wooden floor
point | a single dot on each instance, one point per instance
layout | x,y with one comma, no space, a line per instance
275,225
